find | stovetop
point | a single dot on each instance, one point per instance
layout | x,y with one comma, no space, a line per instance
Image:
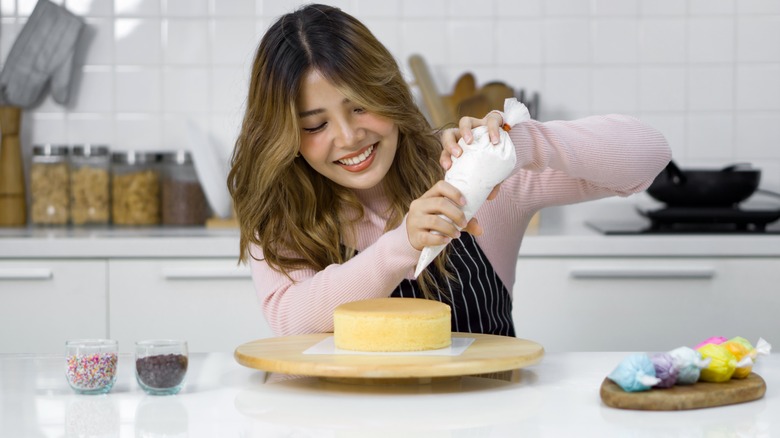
751,218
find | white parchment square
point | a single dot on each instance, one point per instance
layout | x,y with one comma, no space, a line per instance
327,346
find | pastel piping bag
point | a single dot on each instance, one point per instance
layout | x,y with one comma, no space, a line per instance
480,167
740,351
723,363
665,369
713,340
635,373
689,363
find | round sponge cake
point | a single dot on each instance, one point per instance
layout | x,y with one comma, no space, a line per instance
392,324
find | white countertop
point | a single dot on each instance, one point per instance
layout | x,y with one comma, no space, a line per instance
554,240
563,233
558,397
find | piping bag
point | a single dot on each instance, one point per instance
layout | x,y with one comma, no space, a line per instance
480,167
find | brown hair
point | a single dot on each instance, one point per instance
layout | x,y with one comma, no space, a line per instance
282,204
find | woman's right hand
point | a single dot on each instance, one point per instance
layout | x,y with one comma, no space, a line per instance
425,225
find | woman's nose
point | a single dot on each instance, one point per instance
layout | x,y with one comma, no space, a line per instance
348,133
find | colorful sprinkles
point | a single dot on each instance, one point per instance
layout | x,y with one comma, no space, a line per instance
91,371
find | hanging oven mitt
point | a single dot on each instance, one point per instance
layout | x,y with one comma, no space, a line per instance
43,50
481,166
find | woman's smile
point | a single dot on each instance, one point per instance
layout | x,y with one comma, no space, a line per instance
360,160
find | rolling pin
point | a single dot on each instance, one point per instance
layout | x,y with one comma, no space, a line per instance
13,203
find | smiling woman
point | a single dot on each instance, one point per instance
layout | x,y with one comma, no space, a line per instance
337,180
324,87
347,144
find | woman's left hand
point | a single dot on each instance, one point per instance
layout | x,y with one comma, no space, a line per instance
450,137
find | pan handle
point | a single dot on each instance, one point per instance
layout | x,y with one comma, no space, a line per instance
768,193
676,175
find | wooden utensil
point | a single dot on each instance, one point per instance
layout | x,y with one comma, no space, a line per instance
465,88
438,110
683,397
13,204
496,93
474,106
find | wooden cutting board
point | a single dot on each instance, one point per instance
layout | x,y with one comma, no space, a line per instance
488,354
683,397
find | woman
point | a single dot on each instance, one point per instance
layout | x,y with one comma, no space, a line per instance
337,181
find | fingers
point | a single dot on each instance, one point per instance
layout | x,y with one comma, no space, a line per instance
474,228
436,218
450,148
465,125
494,121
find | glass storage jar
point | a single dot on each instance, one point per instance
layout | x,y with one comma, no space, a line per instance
90,365
135,188
183,200
89,183
160,365
49,185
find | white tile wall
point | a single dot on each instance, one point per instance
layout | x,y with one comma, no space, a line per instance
704,72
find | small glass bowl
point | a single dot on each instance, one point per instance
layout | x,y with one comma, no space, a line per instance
90,365
160,365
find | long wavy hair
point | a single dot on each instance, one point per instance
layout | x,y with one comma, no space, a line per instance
282,204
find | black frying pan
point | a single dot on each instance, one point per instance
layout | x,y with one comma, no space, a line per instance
705,188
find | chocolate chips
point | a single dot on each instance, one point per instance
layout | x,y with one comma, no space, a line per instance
161,371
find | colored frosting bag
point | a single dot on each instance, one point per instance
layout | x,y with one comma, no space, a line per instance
740,351
480,167
665,369
723,363
713,340
689,363
762,347
635,373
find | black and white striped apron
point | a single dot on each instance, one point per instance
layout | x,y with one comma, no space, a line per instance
479,300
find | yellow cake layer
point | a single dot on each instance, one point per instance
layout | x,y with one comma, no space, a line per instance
392,324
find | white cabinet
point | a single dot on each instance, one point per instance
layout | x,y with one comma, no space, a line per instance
643,303
44,302
211,303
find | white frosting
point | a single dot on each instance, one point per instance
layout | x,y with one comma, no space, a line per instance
481,166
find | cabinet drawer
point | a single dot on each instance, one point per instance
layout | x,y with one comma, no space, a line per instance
644,304
45,302
211,303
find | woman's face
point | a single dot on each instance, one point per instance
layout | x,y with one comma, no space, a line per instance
339,139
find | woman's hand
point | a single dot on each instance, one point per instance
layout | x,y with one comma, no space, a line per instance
449,137
449,140
425,225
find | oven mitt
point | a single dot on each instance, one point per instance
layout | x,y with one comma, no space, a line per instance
43,50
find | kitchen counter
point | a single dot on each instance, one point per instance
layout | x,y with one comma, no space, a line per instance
553,240
557,397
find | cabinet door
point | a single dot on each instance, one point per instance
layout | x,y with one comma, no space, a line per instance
210,303
45,302
644,304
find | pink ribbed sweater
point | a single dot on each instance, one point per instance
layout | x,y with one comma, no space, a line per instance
558,162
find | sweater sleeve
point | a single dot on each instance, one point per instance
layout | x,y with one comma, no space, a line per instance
305,304
563,162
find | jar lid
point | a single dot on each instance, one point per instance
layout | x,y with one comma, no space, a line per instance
90,150
177,157
50,149
134,157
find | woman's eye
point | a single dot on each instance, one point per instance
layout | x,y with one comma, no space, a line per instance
359,110
315,129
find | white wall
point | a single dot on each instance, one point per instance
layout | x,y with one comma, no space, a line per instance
704,72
